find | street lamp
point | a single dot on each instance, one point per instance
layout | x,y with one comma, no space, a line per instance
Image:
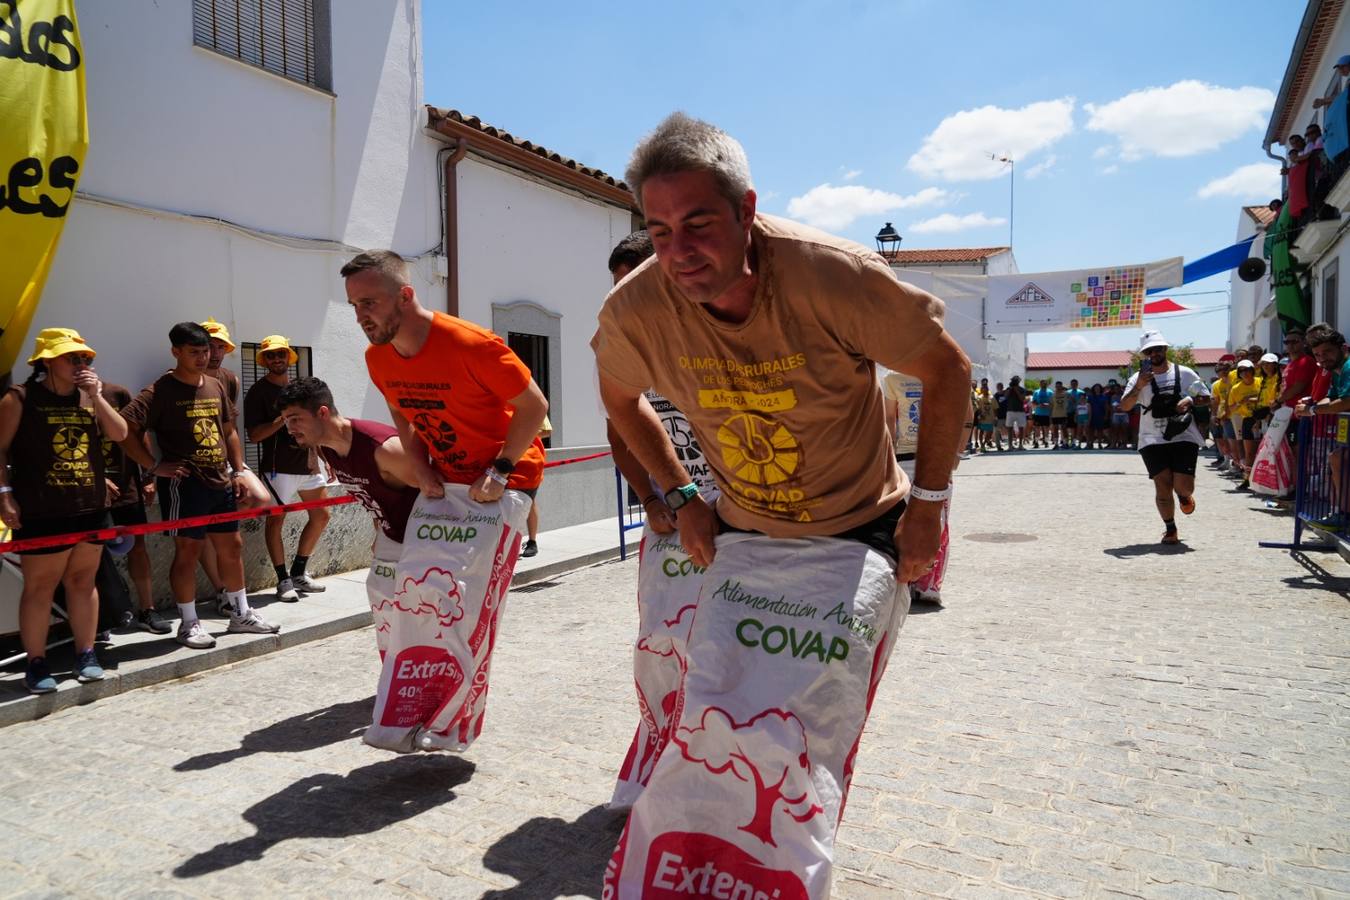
888,240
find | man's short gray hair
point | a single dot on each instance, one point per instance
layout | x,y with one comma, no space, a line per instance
682,143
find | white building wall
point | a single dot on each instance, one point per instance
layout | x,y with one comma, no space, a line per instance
175,127
522,239
995,356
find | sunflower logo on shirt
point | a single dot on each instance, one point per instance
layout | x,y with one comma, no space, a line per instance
70,443
758,450
206,433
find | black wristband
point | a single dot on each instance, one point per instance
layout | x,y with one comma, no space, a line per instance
649,498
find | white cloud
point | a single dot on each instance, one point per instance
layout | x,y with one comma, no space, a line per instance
1083,342
947,222
1101,153
1042,167
1256,182
1111,169
959,148
1184,119
851,174
834,207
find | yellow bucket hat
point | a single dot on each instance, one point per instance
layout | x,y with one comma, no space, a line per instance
275,342
54,342
219,332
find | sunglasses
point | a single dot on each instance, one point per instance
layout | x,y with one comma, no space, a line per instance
79,359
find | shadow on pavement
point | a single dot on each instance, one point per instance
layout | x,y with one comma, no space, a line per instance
337,806
551,857
1033,474
1317,578
923,607
1129,551
307,731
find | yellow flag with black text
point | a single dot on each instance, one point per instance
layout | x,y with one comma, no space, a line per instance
43,139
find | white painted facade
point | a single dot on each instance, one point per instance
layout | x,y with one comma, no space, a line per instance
532,250
994,356
178,129
1250,299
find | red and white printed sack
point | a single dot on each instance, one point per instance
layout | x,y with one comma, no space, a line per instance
380,586
1273,470
449,590
788,645
668,588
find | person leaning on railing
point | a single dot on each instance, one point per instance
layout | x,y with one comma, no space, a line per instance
1328,348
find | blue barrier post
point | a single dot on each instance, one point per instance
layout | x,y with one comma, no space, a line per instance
628,519
1319,498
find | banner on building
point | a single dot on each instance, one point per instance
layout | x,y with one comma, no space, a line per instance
42,147
1107,297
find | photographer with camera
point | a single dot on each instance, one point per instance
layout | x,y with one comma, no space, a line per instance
1169,440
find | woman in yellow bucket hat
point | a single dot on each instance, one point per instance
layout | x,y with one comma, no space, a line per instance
51,432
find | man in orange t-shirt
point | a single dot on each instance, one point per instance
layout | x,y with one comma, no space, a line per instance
466,408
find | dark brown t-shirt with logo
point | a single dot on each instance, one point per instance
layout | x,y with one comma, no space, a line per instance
117,466
56,467
231,382
189,424
280,452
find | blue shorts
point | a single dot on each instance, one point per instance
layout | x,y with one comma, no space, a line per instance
1229,430
185,498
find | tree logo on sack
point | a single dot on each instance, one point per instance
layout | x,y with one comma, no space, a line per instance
667,640
436,593
768,752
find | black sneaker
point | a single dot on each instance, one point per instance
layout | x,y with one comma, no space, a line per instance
150,620
531,549
38,677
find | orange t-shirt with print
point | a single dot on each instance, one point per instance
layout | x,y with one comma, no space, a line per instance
455,392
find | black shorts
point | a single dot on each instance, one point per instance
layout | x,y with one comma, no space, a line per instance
187,497
879,533
1040,420
131,514
1249,424
1178,457
1059,420
38,528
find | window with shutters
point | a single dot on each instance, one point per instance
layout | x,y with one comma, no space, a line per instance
290,38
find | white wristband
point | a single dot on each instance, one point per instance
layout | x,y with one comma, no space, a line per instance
918,493
6,489
496,476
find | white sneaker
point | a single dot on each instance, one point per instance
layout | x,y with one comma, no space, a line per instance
251,623
194,635
306,585
286,591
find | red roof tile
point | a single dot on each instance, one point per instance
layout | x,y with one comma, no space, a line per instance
1107,359
524,152
960,254
1261,215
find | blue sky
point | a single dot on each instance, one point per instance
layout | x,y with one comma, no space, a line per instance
1136,128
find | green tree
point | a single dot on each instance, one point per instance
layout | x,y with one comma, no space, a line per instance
1182,354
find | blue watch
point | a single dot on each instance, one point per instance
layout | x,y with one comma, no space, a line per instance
677,497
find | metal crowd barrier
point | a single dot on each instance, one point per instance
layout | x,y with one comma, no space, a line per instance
631,513
1321,495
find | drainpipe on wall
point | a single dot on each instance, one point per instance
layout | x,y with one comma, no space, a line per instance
449,158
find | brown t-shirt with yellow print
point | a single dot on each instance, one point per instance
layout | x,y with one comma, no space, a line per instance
189,424
785,404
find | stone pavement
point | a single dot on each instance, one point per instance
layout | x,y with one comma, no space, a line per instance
137,659
1087,717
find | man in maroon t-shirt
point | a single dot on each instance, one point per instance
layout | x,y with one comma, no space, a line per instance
369,459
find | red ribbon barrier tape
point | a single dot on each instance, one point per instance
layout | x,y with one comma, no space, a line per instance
116,531
564,462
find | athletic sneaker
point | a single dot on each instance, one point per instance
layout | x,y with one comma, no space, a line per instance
87,668
530,549
286,591
194,635
928,597
38,678
151,621
1188,505
307,585
251,623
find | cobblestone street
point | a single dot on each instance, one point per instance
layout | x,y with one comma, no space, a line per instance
1089,716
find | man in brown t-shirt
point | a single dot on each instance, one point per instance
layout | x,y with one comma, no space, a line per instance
767,334
199,473
290,471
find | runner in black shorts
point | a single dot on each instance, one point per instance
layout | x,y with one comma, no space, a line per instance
52,483
1169,440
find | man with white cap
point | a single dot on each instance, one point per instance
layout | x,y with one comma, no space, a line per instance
1169,440
290,471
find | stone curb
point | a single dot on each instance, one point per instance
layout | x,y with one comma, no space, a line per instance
181,665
